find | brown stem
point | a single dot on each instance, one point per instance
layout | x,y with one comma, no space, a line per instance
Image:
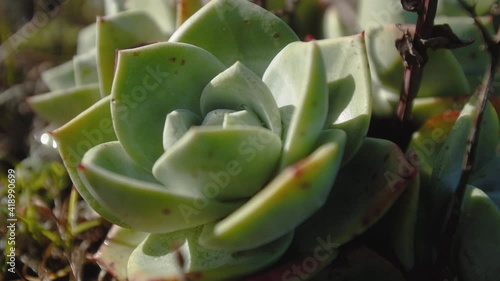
414,71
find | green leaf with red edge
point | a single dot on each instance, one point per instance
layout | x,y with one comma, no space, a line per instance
237,30
92,127
114,252
287,201
305,90
430,107
349,89
117,32
140,202
447,168
185,9
427,141
361,195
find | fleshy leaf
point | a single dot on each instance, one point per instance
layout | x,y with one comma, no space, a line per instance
177,124
60,77
237,30
385,63
121,31
239,88
403,218
86,39
428,141
224,164
92,127
448,164
134,195
375,13
114,252
349,83
443,76
63,105
112,7
216,117
478,238
86,68
305,89
287,201
162,12
333,26
178,256
241,118
361,195
427,108
157,79
186,8
423,150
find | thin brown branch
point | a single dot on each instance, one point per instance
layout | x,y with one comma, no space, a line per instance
445,260
414,71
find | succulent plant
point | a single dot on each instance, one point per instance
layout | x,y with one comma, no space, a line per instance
248,137
233,146
440,175
451,75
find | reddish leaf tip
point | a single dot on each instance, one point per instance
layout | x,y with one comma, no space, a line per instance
81,167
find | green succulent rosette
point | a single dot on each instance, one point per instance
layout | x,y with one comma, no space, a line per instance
233,147
209,150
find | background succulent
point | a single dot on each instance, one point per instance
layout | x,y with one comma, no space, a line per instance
451,75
